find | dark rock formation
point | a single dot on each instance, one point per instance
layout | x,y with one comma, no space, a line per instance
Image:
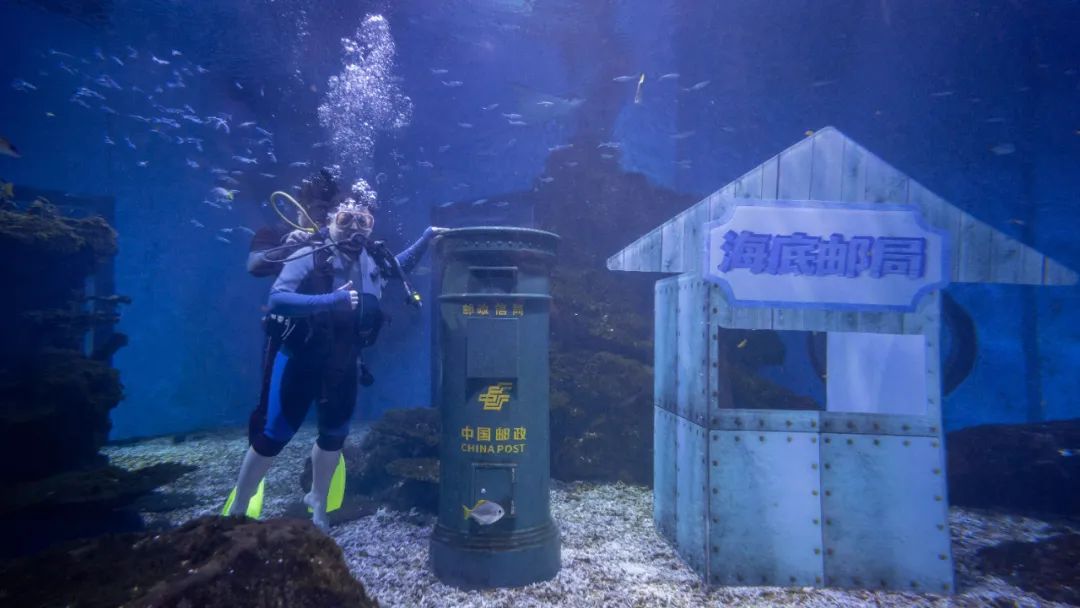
396,464
1049,567
601,321
1016,467
209,562
52,397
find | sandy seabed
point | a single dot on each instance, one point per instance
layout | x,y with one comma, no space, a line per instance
612,555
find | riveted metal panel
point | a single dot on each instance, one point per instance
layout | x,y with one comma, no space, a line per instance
764,508
885,513
806,421
693,349
692,487
879,424
665,442
665,351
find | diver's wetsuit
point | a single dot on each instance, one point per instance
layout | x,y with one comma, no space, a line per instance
317,358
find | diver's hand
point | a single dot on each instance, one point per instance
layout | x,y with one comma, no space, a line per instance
354,298
297,237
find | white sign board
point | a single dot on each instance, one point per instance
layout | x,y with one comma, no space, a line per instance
811,254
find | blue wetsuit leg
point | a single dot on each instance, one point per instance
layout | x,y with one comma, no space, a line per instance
294,383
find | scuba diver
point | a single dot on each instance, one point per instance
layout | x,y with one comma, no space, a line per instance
325,304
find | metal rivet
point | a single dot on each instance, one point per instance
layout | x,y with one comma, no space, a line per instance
817,579
828,522
877,442
816,521
714,463
876,426
828,552
813,440
828,492
817,551
714,490
761,438
789,439
850,425
937,498
828,440
933,444
737,438
787,422
942,556
814,466
914,584
906,443
715,520
906,427
760,423
738,421
827,466
813,423
937,471
791,579
814,492
941,526
933,429
849,442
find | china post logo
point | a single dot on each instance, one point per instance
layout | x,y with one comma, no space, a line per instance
496,396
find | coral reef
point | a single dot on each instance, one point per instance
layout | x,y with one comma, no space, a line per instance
1016,467
54,398
211,561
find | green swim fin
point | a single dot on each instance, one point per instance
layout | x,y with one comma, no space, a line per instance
336,495
255,505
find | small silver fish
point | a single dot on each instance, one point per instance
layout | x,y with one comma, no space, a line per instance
511,116
669,76
545,103
439,71
614,145
425,164
197,223
1068,452
143,163
21,85
517,123
109,141
637,93
452,83
249,231
490,107
1003,149
697,86
683,135
484,512
626,78
246,160
222,239
300,163
465,125
560,147
942,94
159,61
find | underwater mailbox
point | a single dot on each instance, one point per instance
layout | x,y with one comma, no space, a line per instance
491,387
